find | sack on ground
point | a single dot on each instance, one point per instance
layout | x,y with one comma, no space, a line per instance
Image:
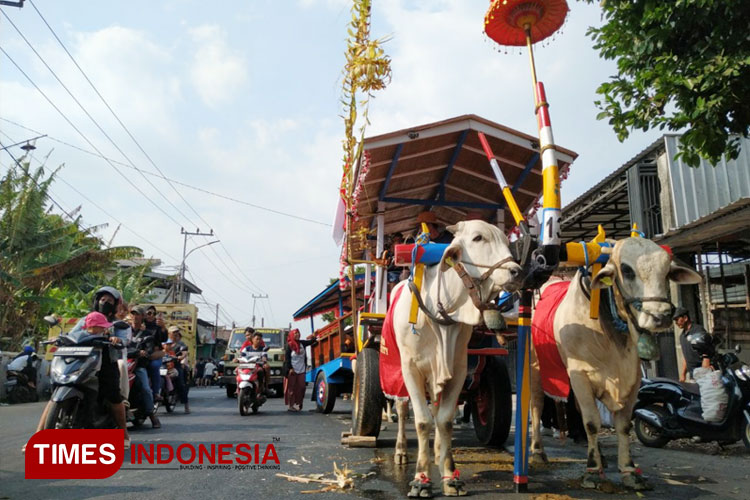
714,397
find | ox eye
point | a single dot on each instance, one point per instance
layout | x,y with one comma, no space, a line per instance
627,272
478,237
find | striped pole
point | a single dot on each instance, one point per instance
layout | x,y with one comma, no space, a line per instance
550,246
523,394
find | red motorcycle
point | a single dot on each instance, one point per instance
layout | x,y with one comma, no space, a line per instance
249,387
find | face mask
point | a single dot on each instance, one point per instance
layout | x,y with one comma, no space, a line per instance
106,308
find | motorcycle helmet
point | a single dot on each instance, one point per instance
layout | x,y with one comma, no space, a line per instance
110,291
702,343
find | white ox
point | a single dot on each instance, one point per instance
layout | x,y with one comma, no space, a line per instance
433,356
601,361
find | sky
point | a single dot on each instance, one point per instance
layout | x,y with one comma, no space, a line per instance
243,99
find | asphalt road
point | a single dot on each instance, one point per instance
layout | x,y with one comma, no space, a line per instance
307,443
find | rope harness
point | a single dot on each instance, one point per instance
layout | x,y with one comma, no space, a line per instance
472,285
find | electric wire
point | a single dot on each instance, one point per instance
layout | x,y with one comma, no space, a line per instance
91,144
196,188
86,112
85,138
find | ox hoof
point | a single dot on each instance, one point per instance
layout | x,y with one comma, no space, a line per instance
400,458
592,479
539,457
635,481
454,488
420,487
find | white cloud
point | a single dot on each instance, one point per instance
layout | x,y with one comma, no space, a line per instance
217,71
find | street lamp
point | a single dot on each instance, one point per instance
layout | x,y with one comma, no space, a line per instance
182,266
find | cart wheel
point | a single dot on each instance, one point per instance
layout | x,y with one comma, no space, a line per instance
368,397
325,394
492,407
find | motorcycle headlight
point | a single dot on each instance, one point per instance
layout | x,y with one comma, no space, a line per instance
67,370
244,376
743,373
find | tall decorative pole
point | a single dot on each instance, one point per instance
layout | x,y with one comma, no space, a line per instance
518,23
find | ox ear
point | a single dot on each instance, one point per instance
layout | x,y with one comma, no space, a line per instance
451,255
605,277
454,228
683,275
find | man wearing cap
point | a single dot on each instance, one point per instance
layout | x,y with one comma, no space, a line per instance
149,350
436,235
180,350
692,359
154,322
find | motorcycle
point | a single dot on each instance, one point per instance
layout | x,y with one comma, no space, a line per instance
75,400
668,410
168,391
249,389
19,383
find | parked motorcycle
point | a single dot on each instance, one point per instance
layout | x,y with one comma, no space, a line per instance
668,410
21,379
168,391
75,364
249,389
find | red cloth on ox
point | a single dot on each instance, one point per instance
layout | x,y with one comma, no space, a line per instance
555,381
391,378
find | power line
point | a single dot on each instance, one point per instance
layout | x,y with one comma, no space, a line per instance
85,138
115,114
202,190
101,97
85,111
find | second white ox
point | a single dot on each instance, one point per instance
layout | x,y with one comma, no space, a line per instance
433,355
602,360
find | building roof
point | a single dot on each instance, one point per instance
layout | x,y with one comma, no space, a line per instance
606,203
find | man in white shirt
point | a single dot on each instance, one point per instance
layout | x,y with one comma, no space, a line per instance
208,373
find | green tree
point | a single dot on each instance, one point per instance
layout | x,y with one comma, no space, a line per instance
682,64
39,250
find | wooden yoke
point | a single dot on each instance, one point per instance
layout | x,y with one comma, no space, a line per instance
589,254
424,237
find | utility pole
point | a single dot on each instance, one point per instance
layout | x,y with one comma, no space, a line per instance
216,330
184,249
254,298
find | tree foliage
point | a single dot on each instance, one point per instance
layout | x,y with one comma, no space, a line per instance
40,250
682,64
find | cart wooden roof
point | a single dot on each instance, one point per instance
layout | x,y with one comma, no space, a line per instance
441,167
331,298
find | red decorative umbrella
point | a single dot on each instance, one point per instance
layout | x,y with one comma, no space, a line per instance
507,21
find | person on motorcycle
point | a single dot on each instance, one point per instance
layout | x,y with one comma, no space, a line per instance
155,322
180,351
96,323
149,351
692,358
255,344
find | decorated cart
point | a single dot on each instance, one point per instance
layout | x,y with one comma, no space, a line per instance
440,168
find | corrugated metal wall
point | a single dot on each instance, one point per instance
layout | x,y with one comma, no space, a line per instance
700,191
